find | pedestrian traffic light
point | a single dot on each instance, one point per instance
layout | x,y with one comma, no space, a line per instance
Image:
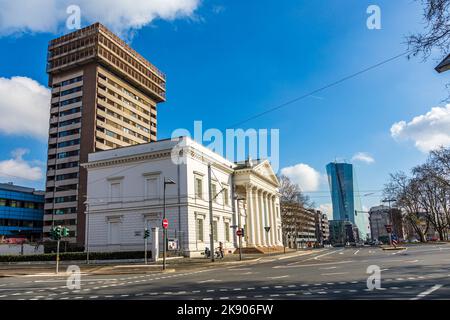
146,234
56,233
65,232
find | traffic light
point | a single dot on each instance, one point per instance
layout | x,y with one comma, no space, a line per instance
56,233
65,232
146,234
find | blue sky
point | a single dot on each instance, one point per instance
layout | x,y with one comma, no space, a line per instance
228,60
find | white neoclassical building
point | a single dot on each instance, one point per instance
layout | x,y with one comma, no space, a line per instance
125,195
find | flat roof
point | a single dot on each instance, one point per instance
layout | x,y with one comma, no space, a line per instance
13,187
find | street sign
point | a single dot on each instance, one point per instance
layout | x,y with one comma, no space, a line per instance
267,229
165,223
172,244
239,232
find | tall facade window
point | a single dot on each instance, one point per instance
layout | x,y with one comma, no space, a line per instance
215,230
114,232
199,229
115,191
151,186
199,187
226,197
214,192
226,225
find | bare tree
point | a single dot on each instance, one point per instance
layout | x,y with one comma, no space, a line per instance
436,15
405,191
295,216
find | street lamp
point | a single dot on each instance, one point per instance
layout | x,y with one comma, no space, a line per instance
239,225
166,182
390,218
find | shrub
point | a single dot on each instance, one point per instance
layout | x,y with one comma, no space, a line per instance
74,256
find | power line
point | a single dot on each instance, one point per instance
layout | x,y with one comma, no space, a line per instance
312,93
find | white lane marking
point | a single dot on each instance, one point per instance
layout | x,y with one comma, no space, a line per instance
427,292
356,252
326,254
279,277
328,268
333,274
210,280
296,265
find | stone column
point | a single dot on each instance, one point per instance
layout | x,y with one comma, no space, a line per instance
274,220
256,218
262,218
278,240
267,219
250,228
271,224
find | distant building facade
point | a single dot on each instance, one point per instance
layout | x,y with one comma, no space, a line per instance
322,228
21,212
126,195
379,217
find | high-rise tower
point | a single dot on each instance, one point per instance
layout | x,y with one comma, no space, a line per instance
104,96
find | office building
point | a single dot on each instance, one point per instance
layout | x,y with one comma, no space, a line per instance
342,188
126,195
379,217
104,96
21,212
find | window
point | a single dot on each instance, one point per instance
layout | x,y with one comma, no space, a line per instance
214,192
199,230
115,191
151,188
226,199
199,188
114,232
227,231
215,230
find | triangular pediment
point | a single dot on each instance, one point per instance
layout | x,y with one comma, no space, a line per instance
265,169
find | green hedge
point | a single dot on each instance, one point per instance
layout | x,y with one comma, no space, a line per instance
75,256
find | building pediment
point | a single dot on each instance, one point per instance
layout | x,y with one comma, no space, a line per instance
262,170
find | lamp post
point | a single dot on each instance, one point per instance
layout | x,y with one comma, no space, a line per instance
239,226
390,218
166,182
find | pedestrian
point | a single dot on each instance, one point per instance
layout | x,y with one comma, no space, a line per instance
221,250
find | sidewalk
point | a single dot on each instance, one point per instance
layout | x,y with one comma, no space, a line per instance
172,265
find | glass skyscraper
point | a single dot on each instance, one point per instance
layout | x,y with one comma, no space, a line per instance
340,180
342,187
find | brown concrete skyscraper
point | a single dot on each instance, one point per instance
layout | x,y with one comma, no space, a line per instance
104,96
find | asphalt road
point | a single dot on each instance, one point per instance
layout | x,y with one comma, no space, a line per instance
420,272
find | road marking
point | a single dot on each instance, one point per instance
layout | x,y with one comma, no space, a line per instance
427,292
210,280
356,252
280,277
328,268
296,264
333,274
326,254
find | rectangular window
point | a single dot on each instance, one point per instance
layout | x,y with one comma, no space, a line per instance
215,230
226,199
152,188
214,192
199,230
115,191
227,231
114,232
199,188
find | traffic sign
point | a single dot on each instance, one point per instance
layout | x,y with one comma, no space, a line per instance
239,233
165,223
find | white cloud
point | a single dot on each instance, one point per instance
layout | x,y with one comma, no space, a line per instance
122,16
327,208
429,131
24,107
363,157
17,168
305,176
